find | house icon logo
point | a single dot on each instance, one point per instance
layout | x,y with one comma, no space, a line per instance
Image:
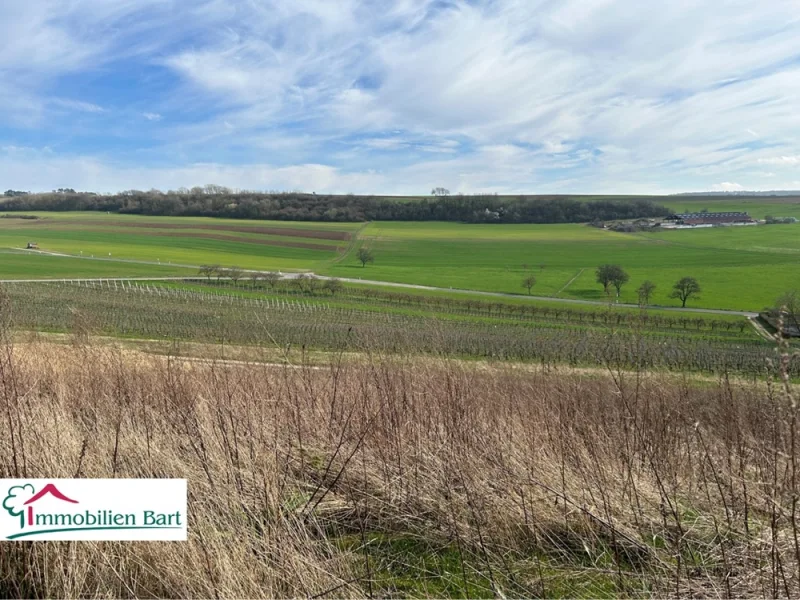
93,509
20,500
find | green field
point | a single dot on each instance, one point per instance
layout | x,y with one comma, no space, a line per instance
740,268
19,265
176,240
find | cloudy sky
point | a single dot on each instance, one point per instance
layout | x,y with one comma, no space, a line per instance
379,96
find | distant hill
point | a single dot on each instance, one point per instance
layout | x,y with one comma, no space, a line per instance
215,201
744,193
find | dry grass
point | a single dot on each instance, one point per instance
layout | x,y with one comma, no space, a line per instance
407,478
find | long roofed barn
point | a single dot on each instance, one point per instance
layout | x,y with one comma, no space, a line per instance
709,218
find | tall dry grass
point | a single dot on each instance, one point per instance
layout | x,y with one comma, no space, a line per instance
408,477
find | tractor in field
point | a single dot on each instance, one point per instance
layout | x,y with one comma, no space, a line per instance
32,246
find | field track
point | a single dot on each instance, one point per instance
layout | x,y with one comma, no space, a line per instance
238,240
282,231
711,311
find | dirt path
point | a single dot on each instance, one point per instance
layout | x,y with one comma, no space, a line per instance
571,281
760,329
353,241
392,284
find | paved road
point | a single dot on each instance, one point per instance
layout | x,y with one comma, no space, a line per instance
713,311
410,286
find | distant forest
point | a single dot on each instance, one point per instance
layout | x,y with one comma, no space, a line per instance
216,201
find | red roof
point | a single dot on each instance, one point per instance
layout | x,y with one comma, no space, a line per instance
53,491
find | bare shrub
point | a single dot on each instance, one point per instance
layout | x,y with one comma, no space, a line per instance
346,480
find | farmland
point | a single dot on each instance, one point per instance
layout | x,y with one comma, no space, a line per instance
397,325
384,441
738,268
192,241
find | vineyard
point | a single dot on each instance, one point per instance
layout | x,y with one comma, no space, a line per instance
487,331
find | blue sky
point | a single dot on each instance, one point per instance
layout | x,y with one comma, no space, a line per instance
367,96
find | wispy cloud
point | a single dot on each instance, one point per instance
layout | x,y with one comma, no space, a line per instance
511,95
781,160
76,105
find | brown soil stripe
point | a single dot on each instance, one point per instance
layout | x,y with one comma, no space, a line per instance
284,231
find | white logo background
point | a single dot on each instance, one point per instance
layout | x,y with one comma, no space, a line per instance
106,509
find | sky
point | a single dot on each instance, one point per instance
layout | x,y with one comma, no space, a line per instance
398,97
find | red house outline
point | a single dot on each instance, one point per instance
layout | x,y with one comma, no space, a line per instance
48,489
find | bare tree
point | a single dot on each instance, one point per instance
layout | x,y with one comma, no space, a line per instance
207,271
645,291
685,288
255,276
528,283
313,284
272,279
235,274
300,282
789,304
365,256
333,286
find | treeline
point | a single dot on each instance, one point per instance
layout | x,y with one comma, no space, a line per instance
216,201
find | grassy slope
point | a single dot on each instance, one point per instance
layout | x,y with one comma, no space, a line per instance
739,268
17,265
67,233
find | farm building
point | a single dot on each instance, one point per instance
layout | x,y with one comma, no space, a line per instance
709,218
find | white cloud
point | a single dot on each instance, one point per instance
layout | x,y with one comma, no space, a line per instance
727,186
781,160
76,105
576,95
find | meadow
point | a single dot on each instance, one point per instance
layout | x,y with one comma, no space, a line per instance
25,265
180,241
743,268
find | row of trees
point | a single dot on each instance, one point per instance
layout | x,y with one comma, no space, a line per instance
303,282
217,201
614,276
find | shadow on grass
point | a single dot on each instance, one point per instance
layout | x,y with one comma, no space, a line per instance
404,565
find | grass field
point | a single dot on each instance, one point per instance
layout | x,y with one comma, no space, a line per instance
21,265
738,268
188,241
